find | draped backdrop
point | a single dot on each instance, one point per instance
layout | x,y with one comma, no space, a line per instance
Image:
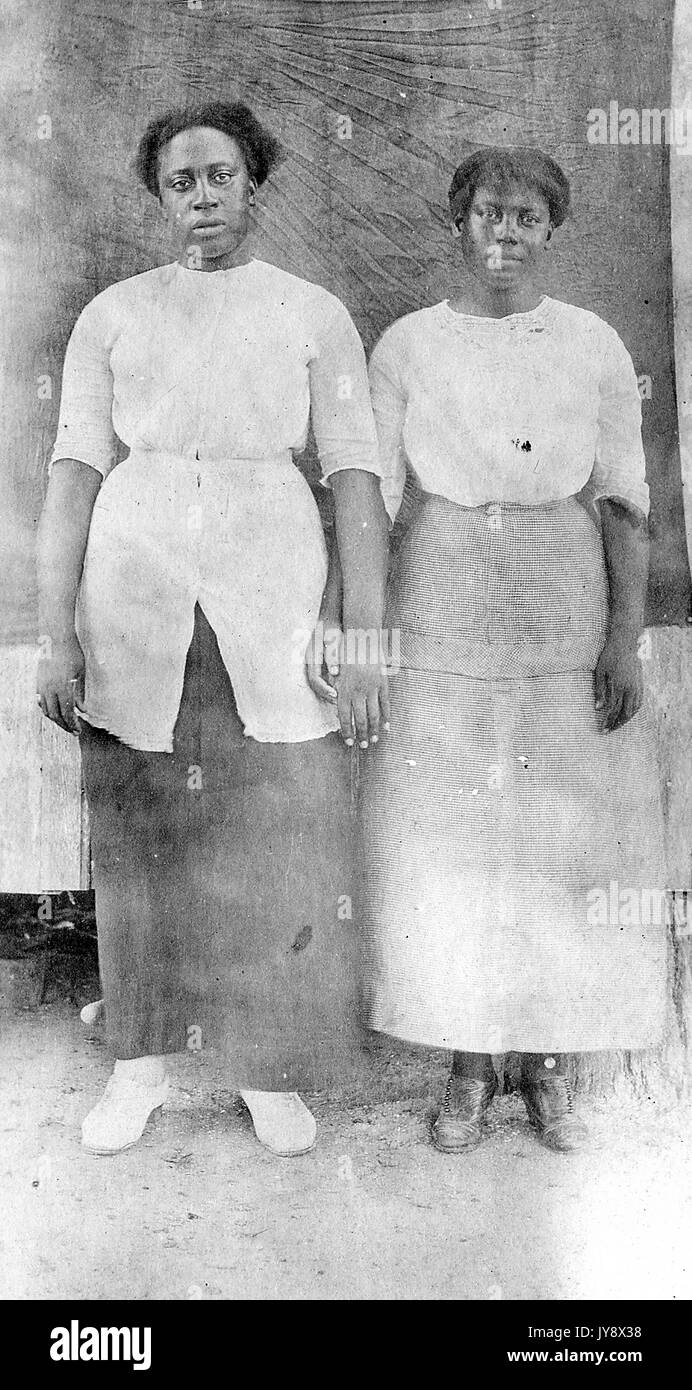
375,101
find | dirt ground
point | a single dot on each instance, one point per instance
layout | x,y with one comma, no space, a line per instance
199,1210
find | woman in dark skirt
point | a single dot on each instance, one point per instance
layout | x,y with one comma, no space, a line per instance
179,590
518,784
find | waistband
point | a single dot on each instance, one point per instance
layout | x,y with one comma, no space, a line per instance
494,508
240,462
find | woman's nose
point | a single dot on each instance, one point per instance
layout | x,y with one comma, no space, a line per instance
205,195
506,230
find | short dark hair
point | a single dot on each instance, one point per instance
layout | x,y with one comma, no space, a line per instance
261,150
501,169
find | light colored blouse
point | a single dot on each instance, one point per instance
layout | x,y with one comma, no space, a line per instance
215,365
529,408
210,380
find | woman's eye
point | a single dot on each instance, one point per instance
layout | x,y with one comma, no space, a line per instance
179,184
222,176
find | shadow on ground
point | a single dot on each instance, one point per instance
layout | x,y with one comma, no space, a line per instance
199,1210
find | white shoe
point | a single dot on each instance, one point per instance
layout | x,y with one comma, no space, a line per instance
92,1013
119,1118
282,1122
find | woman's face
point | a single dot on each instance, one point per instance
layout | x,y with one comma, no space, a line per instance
504,235
206,194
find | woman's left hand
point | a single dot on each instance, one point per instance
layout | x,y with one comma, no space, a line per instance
618,681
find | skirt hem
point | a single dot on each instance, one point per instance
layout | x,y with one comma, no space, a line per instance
495,1049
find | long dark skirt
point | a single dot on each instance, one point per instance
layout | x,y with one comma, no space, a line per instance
223,879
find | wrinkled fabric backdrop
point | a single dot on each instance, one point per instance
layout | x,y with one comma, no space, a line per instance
375,102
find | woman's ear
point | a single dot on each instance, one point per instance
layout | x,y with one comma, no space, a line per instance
252,193
549,234
456,229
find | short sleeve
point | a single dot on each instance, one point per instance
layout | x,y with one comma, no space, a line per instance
340,407
619,469
388,397
85,425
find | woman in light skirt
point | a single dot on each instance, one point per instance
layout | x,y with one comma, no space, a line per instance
518,782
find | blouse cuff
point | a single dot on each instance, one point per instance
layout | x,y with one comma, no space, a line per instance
359,456
633,495
78,455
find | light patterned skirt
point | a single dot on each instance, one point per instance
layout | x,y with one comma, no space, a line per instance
512,854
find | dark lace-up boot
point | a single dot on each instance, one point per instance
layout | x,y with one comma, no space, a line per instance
470,1089
549,1102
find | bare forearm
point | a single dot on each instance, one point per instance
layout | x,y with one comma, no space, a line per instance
332,598
626,548
362,531
62,538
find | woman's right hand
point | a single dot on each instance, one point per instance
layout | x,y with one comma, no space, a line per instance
362,691
61,682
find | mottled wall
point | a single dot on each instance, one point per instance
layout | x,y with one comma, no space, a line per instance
422,84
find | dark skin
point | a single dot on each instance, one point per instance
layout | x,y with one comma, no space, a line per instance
206,196
62,538
618,679
502,242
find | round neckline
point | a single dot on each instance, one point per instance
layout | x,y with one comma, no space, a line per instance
520,316
212,274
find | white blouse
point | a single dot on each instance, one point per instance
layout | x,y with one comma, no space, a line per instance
209,380
215,365
529,408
